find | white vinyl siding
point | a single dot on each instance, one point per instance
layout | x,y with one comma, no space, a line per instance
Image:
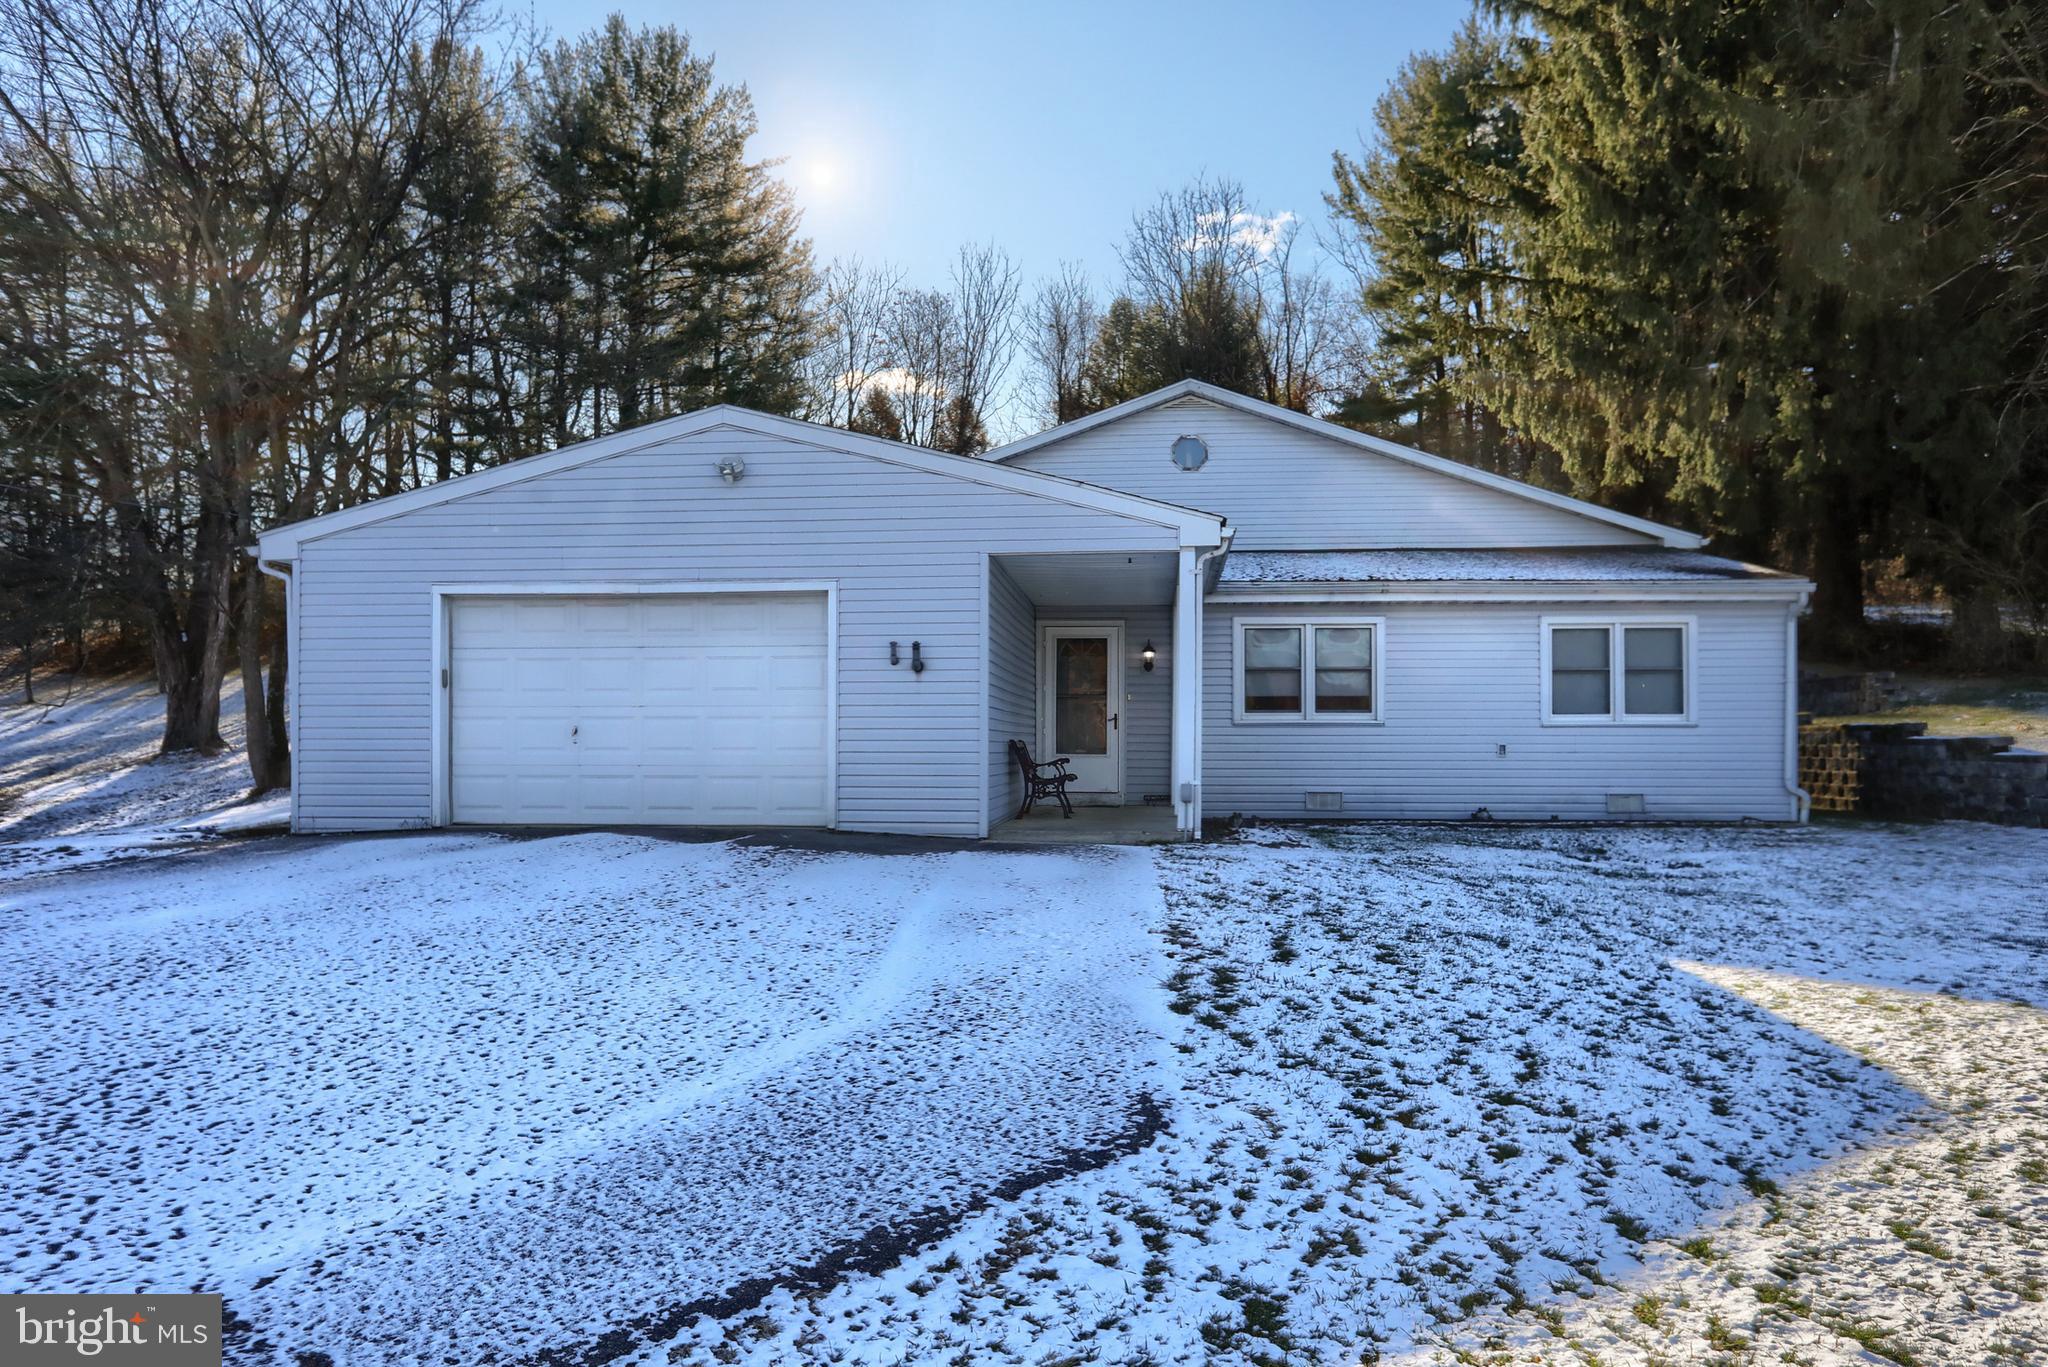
1012,688
1460,680
906,549
1285,489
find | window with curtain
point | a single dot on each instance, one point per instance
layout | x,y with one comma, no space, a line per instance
1272,669
1308,670
1617,671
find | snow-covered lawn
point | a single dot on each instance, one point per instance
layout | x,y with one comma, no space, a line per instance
1616,1096
81,781
1427,1094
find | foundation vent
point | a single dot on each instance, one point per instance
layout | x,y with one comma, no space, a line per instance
1625,804
1323,802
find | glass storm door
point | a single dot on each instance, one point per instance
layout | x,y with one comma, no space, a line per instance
1080,706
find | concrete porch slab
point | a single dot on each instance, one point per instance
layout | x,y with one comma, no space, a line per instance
1132,825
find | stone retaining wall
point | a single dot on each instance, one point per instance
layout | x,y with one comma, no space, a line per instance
1897,770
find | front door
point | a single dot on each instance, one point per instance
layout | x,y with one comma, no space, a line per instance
1080,705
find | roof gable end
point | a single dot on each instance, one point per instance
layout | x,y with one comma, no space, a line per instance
1348,437
1196,528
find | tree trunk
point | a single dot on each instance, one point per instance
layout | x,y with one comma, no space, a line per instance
191,656
191,699
255,702
1838,579
280,728
1976,633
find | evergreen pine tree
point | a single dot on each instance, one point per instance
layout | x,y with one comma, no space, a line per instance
1424,210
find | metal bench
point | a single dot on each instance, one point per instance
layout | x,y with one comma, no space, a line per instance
1049,779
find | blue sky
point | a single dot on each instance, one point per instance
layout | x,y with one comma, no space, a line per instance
911,128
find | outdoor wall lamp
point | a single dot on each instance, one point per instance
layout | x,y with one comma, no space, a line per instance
1149,656
732,469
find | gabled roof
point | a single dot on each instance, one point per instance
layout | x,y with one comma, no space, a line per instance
1669,536
1196,528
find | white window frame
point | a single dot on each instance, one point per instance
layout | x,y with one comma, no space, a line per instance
1308,714
1617,674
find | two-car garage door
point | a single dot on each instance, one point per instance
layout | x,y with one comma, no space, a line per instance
697,709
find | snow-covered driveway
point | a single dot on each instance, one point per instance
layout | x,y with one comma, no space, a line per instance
488,1099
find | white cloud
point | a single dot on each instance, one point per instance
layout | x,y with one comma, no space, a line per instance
1263,233
892,380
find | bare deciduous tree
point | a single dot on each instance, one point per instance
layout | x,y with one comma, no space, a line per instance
1303,326
984,307
923,349
854,307
937,359
1063,321
227,178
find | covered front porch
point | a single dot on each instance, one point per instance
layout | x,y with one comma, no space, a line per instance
1093,657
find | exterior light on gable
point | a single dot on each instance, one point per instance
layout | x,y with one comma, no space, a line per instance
732,469
1190,453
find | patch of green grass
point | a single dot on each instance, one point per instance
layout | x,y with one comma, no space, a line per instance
1873,1340
1628,1226
1649,1310
1915,1238
1721,1338
1699,1246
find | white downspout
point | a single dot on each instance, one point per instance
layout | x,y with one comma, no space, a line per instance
1801,799
1186,699
1187,685
291,677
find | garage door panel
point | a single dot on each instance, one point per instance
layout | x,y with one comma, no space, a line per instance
614,619
540,616
483,740
608,676
541,673
539,798
640,709
481,623
672,619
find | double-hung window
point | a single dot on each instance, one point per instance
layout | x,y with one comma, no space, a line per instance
1617,670
1324,669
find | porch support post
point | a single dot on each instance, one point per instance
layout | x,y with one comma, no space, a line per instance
1187,695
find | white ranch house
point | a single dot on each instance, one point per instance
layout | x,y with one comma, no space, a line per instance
1208,605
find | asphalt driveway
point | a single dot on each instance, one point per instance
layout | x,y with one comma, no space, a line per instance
485,1099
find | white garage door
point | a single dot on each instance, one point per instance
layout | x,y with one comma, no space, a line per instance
706,709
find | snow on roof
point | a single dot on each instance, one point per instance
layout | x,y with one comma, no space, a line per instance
1559,565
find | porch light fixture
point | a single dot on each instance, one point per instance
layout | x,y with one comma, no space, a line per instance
1149,656
732,469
